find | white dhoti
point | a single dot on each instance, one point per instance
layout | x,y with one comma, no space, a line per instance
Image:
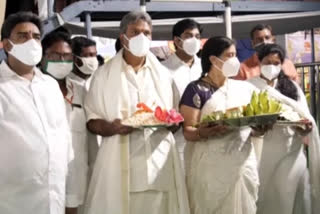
139,172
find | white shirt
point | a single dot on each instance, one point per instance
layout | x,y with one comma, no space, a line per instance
78,180
94,141
182,73
155,169
83,82
35,144
141,89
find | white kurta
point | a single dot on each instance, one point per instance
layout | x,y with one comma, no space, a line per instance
182,75
35,144
223,177
283,171
140,172
78,181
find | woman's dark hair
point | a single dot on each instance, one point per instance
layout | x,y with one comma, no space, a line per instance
284,85
271,49
214,46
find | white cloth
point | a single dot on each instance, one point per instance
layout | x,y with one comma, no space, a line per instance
283,174
116,172
223,175
182,75
94,141
43,8
35,144
83,82
2,11
78,181
150,201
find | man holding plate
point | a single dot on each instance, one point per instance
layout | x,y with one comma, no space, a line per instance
136,170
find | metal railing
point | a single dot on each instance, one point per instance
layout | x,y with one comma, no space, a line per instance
310,84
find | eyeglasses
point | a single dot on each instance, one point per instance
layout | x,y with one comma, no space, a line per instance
59,56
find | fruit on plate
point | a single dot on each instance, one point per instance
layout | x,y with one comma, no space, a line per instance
220,115
145,116
170,117
262,104
234,113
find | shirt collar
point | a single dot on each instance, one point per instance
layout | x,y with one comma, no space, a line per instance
181,62
75,77
7,72
147,65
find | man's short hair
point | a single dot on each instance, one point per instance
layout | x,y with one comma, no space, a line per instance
53,37
183,25
17,18
260,27
133,17
80,42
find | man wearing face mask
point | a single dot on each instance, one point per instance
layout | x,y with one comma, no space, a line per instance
35,142
184,64
85,60
136,170
85,64
58,62
262,34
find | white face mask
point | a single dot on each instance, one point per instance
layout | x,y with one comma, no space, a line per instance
191,46
230,67
89,64
138,45
270,71
29,53
59,69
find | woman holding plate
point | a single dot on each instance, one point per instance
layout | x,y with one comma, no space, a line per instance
283,172
221,166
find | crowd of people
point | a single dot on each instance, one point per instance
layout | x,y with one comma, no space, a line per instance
64,148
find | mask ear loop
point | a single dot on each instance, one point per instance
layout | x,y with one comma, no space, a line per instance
226,83
220,69
181,48
123,45
79,57
12,44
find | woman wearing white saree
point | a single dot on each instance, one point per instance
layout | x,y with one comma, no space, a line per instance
283,173
221,166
